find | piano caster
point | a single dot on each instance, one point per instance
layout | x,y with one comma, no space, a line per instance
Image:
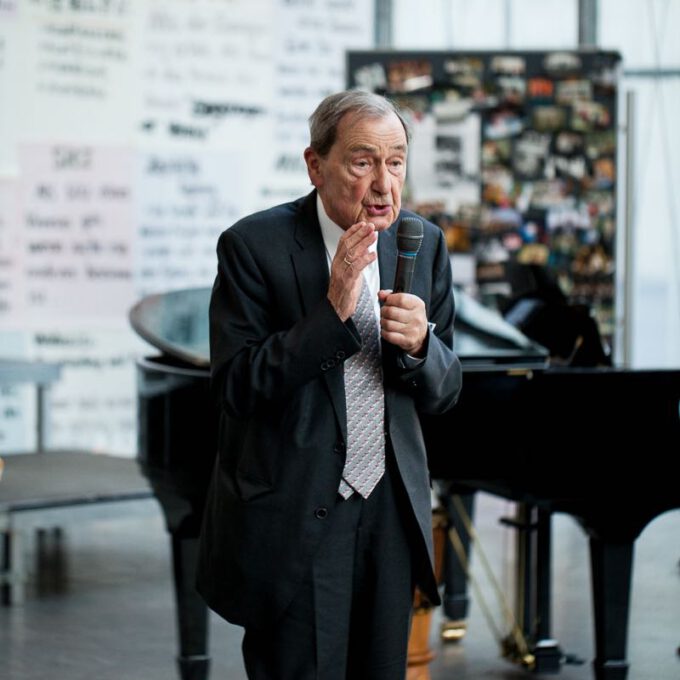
511,651
548,656
544,657
453,631
193,667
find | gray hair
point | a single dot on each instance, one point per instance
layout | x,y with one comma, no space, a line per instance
323,123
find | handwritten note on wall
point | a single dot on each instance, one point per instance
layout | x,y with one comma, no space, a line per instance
206,72
17,413
17,402
311,39
185,201
9,61
93,405
77,74
76,218
11,258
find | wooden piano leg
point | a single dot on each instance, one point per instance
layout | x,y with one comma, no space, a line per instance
611,566
419,652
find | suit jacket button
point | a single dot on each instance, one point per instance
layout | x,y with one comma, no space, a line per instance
339,448
340,355
321,513
324,366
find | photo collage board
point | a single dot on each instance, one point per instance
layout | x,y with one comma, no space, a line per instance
513,155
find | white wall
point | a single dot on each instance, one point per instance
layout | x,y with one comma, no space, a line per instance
645,34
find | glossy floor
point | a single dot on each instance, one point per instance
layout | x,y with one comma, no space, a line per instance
112,616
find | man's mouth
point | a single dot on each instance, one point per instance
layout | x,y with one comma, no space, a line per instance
378,210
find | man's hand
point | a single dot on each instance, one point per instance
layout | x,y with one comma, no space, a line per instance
403,321
351,257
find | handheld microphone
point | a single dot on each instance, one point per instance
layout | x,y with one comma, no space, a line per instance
409,238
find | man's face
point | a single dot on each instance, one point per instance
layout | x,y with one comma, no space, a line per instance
362,176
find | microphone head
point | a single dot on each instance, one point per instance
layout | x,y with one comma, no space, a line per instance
409,236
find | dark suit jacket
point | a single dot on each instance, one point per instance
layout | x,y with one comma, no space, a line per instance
277,352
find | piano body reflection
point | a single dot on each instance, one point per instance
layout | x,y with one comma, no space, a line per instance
552,438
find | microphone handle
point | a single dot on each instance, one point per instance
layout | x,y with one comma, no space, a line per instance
404,274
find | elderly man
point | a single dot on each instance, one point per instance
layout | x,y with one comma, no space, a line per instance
318,521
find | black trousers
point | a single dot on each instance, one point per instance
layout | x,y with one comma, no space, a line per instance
351,620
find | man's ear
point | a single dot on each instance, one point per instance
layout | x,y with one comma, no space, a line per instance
313,161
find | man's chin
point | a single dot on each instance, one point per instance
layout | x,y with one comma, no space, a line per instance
381,222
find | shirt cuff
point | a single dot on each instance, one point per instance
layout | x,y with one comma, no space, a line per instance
411,362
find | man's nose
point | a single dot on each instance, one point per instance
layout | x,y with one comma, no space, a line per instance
381,179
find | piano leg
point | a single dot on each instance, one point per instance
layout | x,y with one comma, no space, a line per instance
611,565
192,613
455,599
182,507
546,650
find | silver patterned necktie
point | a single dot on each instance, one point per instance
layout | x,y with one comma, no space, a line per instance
365,399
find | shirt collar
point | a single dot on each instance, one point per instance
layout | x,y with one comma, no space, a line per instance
330,231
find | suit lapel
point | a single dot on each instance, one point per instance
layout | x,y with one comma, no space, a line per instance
311,272
310,262
387,262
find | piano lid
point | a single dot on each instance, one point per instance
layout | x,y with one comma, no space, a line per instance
176,323
484,341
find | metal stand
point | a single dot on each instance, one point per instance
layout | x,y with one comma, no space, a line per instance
532,604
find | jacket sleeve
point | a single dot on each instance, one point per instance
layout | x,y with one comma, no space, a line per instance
435,383
253,360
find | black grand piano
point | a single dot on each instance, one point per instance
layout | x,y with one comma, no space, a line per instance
551,438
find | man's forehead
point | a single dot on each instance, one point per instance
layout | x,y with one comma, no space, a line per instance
361,131
365,146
